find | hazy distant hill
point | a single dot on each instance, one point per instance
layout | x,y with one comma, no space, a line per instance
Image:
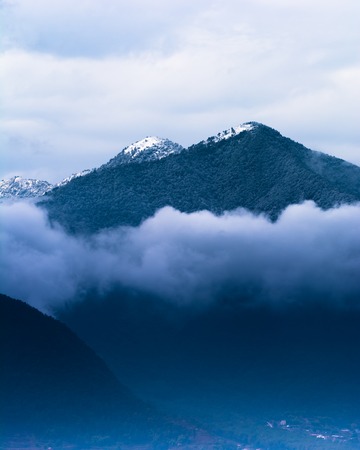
18,187
252,166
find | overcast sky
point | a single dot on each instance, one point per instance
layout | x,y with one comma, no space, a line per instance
79,80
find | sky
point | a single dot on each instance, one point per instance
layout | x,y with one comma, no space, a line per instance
81,80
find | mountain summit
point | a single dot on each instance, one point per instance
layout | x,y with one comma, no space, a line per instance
251,166
149,149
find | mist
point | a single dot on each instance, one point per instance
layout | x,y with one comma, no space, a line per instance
190,259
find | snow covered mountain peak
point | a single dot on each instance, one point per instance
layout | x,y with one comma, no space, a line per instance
139,146
18,187
149,149
231,132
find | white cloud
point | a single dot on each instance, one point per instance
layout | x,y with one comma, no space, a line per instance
90,28
309,255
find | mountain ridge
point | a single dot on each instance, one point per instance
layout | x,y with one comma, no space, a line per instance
56,392
256,168
52,383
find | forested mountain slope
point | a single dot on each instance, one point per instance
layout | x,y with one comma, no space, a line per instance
256,168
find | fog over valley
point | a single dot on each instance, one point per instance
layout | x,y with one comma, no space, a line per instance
307,255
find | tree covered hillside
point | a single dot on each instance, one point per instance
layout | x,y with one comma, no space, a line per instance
257,169
55,389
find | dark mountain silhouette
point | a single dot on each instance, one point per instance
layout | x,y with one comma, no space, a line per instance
55,389
256,168
229,360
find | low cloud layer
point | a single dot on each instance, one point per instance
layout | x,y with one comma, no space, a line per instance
307,255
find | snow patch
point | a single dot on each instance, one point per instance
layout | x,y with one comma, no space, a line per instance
143,144
74,175
231,132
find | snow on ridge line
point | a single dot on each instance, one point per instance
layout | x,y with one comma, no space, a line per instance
231,132
74,175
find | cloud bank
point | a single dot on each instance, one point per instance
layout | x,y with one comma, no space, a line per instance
190,259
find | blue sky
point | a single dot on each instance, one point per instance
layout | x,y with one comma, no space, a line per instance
81,80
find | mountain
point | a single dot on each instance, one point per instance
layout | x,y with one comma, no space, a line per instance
18,187
232,366
149,149
55,389
251,166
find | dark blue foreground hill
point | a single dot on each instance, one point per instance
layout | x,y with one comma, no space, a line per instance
55,389
257,169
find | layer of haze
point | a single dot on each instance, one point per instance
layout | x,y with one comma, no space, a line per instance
81,80
189,259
